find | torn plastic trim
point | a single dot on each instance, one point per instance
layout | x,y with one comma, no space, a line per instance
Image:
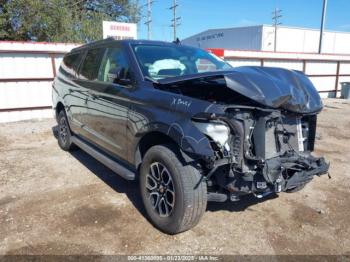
305,176
238,183
294,168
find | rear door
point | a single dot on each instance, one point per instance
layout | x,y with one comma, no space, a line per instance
73,96
108,103
86,82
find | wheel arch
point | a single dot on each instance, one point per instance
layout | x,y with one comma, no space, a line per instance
61,107
176,143
148,140
58,108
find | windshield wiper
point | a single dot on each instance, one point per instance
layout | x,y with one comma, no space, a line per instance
150,79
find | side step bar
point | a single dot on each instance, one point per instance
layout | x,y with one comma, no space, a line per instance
108,162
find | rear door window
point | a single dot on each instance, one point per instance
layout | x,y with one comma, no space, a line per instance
91,65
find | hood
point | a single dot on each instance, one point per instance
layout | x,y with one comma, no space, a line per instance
272,87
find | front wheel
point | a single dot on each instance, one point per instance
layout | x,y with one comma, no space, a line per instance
174,195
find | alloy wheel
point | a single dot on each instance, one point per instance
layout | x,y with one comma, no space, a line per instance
160,188
63,130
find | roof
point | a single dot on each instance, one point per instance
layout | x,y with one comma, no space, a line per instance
125,41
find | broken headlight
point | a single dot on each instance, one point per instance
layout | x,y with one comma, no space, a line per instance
220,133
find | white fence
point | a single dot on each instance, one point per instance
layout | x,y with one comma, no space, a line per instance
27,70
26,73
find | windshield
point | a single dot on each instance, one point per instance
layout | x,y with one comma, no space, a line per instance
161,61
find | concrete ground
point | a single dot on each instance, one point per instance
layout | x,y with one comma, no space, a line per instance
54,202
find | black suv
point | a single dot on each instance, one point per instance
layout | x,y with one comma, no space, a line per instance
187,125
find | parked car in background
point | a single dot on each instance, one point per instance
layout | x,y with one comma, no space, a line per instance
187,125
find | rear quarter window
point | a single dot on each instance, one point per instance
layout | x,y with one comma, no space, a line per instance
91,64
70,64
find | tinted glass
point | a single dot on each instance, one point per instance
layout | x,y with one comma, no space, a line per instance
69,64
163,61
114,60
91,64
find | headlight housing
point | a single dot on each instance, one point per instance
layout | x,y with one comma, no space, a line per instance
219,132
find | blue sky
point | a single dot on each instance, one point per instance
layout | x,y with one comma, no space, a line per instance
200,15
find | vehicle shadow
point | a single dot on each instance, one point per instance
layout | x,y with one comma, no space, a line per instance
131,188
246,202
109,177
113,180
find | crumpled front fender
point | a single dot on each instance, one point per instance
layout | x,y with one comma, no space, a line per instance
184,134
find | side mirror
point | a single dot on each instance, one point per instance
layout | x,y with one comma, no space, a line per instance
117,75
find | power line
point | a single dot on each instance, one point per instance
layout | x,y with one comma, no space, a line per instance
276,15
149,18
176,19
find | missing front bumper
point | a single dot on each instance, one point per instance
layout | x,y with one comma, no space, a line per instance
276,175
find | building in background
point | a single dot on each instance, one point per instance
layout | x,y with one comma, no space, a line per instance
262,38
119,30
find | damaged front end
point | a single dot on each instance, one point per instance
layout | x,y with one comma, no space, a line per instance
267,151
265,134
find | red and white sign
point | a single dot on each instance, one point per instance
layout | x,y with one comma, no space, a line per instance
119,30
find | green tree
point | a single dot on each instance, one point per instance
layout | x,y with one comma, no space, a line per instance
62,20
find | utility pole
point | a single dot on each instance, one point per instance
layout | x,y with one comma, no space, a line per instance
149,19
323,21
175,19
276,15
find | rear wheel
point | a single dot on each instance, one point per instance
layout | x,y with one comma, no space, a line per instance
174,195
64,133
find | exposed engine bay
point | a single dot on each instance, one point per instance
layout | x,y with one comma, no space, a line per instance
266,151
264,139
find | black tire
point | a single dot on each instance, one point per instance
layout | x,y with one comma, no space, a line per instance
64,134
189,190
295,189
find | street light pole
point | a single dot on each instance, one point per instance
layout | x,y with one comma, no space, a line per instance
323,21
